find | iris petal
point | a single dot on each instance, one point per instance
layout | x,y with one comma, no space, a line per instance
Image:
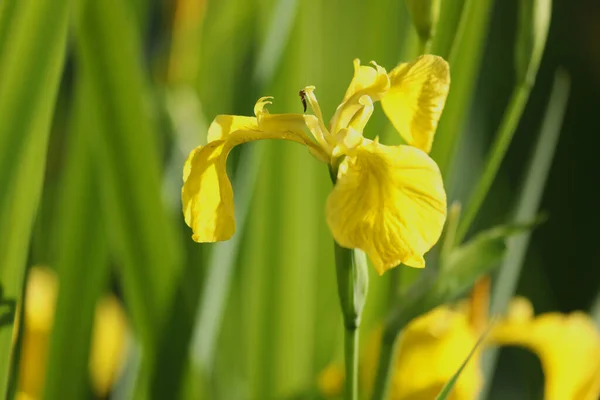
207,195
223,125
416,99
371,81
443,335
568,346
389,202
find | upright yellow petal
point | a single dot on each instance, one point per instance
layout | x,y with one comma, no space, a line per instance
389,202
371,81
568,346
416,99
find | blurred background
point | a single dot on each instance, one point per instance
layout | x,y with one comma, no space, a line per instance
256,317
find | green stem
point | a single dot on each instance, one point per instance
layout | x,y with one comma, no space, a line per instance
394,287
351,361
413,302
352,279
424,45
449,239
504,136
384,367
595,310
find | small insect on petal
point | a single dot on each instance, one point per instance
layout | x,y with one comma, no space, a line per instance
302,95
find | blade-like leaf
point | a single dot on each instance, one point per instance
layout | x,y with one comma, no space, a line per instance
224,258
464,59
450,15
139,232
528,205
474,259
82,262
31,62
447,389
126,153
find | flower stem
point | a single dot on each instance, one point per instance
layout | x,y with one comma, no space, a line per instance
351,359
352,279
384,367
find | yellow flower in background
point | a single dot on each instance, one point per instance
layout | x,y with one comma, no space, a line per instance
331,380
107,354
568,346
388,201
108,341
430,351
434,345
40,302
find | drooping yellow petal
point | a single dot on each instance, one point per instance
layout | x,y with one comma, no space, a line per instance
389,202
271,124
223,125
207,195
568,346
371,81
416,99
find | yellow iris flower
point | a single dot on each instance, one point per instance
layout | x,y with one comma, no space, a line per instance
429,351
568,346
388,201
433,346
107,345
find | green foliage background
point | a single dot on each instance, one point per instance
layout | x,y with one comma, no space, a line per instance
100,102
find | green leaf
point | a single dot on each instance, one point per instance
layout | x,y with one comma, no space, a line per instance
450,16
126,151
532,32
31,62
141,235
81,264
468,262
504,135
221,266
478,257
534,19
224,260
528,205
447,389
464,59
532,191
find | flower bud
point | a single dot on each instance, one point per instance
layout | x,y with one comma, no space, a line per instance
534,20
424,14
